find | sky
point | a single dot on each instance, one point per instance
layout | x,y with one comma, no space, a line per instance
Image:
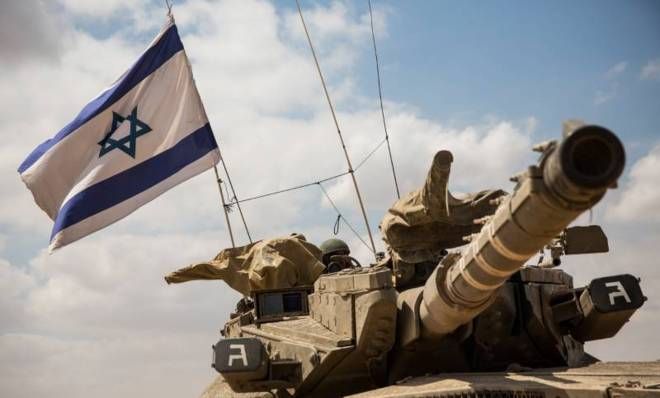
485,80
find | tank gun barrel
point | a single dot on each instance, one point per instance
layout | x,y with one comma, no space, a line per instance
571,177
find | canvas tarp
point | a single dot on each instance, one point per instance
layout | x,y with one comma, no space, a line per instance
266,264
426,221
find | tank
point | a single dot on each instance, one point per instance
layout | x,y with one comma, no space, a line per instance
485,315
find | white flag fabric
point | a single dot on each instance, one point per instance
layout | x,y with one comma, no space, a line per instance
140,137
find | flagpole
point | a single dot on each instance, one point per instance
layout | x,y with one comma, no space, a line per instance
215,168
224,205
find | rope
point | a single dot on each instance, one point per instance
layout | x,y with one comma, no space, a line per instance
339,215
289,189
168,4
235,198
334,118
225,208
380,97
309,184
370,153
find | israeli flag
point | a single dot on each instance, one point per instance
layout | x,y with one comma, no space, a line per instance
140,137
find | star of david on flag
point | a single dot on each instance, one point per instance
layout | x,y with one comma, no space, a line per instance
127,143
143,135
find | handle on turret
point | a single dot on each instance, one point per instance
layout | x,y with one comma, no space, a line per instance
571,177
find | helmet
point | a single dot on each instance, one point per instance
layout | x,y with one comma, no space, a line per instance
334,246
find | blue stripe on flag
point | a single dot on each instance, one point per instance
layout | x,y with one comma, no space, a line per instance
133,181
168,45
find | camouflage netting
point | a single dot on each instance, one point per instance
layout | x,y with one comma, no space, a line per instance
266,264
426,221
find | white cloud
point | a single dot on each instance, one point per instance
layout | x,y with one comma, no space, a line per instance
496,149
27,31
612,74
602,97
104,9
14,284
98,311
651,71
79,320
150,365
117,280
640,199
616,70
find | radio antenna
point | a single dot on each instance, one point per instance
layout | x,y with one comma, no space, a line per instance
341,138
380,97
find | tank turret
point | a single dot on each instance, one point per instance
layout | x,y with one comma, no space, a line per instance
482,307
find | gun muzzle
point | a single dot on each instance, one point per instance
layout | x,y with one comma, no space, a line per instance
584,165
571,177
